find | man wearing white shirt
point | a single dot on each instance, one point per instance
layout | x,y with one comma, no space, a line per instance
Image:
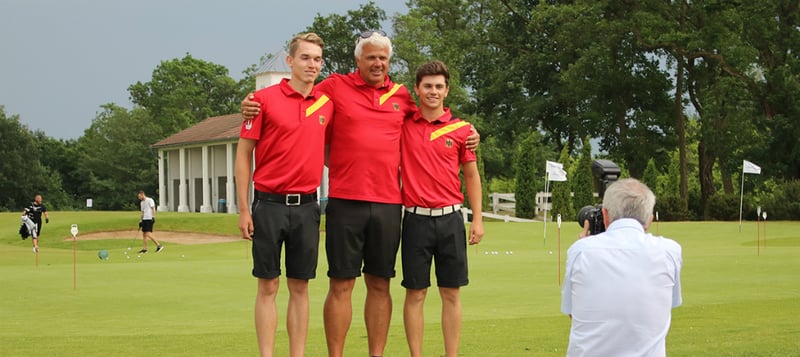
147,220
620,285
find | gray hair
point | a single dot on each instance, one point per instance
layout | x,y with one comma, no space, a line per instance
375,39
629,198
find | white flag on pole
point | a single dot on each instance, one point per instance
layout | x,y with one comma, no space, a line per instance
556,171
750,168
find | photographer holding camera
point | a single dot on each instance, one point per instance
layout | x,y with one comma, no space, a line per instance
620,285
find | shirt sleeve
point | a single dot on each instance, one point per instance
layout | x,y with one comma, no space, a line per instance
677,298
566,286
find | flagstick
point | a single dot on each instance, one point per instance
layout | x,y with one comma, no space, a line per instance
747,168
765,228
559,251
741,200
758,229
74,231
657,224
546,186
74,263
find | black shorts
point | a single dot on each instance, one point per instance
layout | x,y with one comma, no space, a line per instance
147,225
38,228
359,231
297,227
443,238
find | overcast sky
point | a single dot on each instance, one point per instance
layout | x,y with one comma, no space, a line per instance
62,59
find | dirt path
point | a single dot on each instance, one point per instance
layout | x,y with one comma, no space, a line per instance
166,236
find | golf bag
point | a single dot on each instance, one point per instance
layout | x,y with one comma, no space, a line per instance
28,228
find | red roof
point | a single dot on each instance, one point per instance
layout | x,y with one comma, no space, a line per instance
213,129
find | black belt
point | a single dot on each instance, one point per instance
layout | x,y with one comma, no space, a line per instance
291,199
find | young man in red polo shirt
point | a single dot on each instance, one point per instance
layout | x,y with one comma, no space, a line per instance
433,152
288,140
365,205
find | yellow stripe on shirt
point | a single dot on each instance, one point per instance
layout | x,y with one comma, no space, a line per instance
390,93
318,104
447,129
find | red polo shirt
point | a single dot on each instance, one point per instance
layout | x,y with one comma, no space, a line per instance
290,130
364,138
432,156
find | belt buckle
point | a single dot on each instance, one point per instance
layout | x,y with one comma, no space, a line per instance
290,202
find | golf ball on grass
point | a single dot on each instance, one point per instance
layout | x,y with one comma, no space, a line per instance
551,252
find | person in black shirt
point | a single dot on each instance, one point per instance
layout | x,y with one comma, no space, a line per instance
34,213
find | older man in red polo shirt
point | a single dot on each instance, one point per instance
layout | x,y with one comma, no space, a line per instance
364,206
287,138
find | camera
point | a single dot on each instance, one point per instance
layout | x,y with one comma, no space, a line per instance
593,214
605,172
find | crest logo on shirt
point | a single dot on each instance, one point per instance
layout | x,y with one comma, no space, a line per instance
396,107
248,124
321,120
448,143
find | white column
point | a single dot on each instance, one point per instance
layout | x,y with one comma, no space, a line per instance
162,188
206,207
182,206
230,191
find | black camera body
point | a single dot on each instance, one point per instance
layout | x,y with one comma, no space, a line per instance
593,214
605,172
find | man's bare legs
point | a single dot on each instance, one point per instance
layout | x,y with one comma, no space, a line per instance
414,319
451,319
337,314
297,316
266,315
377,313
150,236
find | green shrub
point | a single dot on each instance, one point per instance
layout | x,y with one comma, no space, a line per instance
724,207
784,202
670,208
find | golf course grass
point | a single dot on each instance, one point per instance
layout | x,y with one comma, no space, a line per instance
741,292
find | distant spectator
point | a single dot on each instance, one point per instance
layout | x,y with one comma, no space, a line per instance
148,219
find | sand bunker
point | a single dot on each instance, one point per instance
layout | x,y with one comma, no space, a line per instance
165,236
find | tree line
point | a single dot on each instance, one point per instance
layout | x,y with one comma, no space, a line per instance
113,159
677,93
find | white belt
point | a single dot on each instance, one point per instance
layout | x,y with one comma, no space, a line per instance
433,212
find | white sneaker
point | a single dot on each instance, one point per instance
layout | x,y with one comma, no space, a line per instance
35,249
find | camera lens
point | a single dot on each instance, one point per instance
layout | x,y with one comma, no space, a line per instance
586,213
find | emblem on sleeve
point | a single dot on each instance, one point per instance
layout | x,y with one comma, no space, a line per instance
248,124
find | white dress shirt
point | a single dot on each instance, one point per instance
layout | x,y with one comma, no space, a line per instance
619,288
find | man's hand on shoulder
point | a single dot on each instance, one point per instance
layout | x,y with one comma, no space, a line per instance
250,108
474,139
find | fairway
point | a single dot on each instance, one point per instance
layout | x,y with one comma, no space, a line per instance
741,296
